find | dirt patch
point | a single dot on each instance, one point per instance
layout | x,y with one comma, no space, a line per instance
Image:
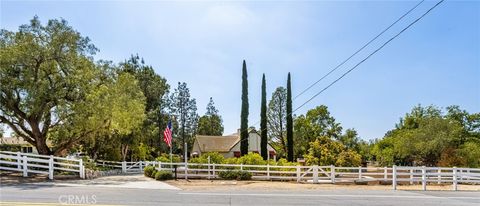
213,185
13,178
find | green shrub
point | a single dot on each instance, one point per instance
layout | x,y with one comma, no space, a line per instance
148,170
163,175
154,172
235,175
232,161
244,175
215,157
251,159
166,158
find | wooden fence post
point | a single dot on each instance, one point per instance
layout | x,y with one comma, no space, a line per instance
141,166
298,173
411,176
50,167
124,167
360,173
394,177
268,171
424,178
332,173
213,171
81,169
208,168
315,174
385,173
439,176
19,161
455,178
159,166
25,166
186,170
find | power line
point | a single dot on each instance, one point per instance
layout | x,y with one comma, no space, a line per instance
378,49
359,50
371,54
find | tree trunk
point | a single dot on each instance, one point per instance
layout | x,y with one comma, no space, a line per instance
42,147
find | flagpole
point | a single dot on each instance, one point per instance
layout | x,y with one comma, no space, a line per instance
170,155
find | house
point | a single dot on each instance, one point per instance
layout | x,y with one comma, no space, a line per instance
16,144
228,146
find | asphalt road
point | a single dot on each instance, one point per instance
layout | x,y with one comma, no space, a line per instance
37,194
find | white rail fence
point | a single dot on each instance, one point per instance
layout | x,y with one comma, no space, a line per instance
331,174
39,164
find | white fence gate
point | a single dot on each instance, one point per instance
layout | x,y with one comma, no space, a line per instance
39,164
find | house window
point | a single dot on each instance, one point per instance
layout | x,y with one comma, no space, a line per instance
236,154
27,149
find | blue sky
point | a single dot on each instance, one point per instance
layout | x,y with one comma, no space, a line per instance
437,61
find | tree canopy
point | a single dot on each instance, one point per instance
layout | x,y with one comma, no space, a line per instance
211,123
50,88
427,136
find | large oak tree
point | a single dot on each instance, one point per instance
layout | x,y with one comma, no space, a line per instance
50,88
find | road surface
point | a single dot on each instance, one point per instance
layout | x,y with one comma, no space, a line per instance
54,194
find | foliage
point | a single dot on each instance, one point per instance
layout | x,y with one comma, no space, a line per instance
290,142
325,151
244,113
235,175
316,123
232,161
163,175
166,158
426,136
184,109
155,89
49,87
263,122
211,123
215,158
148,170
251,159
470,153
10,147
277,119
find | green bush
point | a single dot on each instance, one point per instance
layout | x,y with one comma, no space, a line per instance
232,161
166,158
148,170
163,175
235,175
251,159
154,172
215,157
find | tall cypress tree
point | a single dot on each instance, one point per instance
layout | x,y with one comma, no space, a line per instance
244,113
263,121
289,120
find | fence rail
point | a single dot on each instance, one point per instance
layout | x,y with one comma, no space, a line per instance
39,164
42,164
330,174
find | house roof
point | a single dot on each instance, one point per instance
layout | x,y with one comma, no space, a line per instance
216,143
13,141
18,141
208,143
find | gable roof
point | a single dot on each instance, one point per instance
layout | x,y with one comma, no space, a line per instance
216,143
13,141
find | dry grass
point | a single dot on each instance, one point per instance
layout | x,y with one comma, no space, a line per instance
212,185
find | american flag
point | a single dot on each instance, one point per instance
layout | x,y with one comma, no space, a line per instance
167,134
